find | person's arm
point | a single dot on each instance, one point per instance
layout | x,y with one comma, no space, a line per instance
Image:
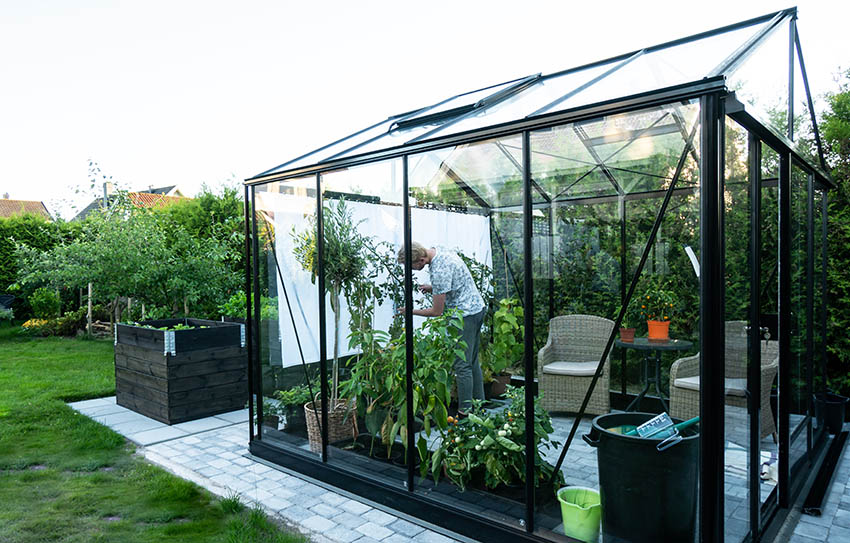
436,309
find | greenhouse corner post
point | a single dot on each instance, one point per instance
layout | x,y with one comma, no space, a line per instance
784,327
810,299
711,443
528,292
408,321
323,348
254,361
754,370
248,326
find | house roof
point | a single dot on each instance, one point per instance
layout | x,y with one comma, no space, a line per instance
138,199
161,190
9,208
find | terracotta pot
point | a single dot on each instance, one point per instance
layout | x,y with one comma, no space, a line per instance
627,335
658,330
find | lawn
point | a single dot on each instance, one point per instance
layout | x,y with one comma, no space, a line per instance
66,478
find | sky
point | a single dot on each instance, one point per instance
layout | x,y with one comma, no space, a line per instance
192,92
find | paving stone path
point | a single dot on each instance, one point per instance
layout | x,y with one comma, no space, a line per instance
212,452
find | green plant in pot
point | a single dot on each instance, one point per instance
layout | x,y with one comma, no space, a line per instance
345,268
291,405
507,348
657,306
378,380
630,322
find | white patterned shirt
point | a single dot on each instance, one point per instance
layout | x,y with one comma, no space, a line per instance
450,276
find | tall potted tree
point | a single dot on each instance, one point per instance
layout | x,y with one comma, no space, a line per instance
345,268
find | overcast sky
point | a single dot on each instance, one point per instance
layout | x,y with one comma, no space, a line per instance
190,92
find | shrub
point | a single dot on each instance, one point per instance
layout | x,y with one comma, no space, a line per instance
45,303
73,321
6,314
39,327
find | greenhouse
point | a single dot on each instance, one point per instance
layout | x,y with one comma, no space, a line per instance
675,193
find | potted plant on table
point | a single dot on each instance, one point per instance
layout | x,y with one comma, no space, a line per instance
657,306
630,321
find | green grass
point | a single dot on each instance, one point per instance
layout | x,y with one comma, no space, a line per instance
65,478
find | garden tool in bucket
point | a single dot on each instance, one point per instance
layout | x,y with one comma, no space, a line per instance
581,511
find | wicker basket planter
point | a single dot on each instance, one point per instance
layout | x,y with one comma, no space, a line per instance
342,423
181,375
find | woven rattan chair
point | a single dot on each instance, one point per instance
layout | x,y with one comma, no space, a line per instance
684,378
566,364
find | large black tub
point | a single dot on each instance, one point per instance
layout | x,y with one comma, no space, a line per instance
647,494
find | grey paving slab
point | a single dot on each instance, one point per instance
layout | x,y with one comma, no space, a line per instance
155,435
235,416
202,425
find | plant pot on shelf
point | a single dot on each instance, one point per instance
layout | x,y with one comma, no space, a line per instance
294,419
658,330
627,335
271,421
342,423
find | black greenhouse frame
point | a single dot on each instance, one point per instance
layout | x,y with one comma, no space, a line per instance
717,104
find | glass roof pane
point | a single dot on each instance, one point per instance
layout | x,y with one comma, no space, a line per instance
321,154
683,63
520,105
761,80
464,99
628,153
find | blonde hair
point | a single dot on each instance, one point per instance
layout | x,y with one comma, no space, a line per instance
417,252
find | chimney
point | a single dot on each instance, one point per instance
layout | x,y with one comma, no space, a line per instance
108,190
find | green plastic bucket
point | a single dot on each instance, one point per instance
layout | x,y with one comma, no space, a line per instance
581,511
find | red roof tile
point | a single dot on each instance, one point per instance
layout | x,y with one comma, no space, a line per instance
20,207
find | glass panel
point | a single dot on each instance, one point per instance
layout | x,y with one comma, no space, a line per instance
465,99
289,347
761,81
738,419
798,366
818,305
363,228
769,317
479,175
580,256
803,133
314,157
633,152
477,460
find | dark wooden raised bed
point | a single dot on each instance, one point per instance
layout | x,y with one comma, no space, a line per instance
181,375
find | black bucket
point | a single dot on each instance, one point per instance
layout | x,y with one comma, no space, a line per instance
833,407
647,494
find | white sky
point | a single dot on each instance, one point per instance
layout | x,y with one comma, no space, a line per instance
188,91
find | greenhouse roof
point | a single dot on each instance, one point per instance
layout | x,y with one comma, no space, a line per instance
750,58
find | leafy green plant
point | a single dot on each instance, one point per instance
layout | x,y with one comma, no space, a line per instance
45,303
657,303
297,395
234,306
378,378
508,330
490,445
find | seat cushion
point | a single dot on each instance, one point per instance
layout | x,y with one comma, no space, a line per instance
576,369
734,387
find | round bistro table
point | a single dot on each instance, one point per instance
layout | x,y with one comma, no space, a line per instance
653,350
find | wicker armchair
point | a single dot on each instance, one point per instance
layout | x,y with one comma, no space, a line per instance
684,378
568,361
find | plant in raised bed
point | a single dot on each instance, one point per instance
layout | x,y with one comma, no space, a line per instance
487,448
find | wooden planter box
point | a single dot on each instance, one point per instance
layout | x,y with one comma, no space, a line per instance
182,375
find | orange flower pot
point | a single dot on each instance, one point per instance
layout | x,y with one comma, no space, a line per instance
627,335
658,330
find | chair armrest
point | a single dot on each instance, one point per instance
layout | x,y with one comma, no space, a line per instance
546,355
684,367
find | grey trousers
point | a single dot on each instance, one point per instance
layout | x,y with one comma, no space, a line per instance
470,382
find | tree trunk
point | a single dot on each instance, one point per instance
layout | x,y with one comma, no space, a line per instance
143,311
336,310
88,313
185,306
129,307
